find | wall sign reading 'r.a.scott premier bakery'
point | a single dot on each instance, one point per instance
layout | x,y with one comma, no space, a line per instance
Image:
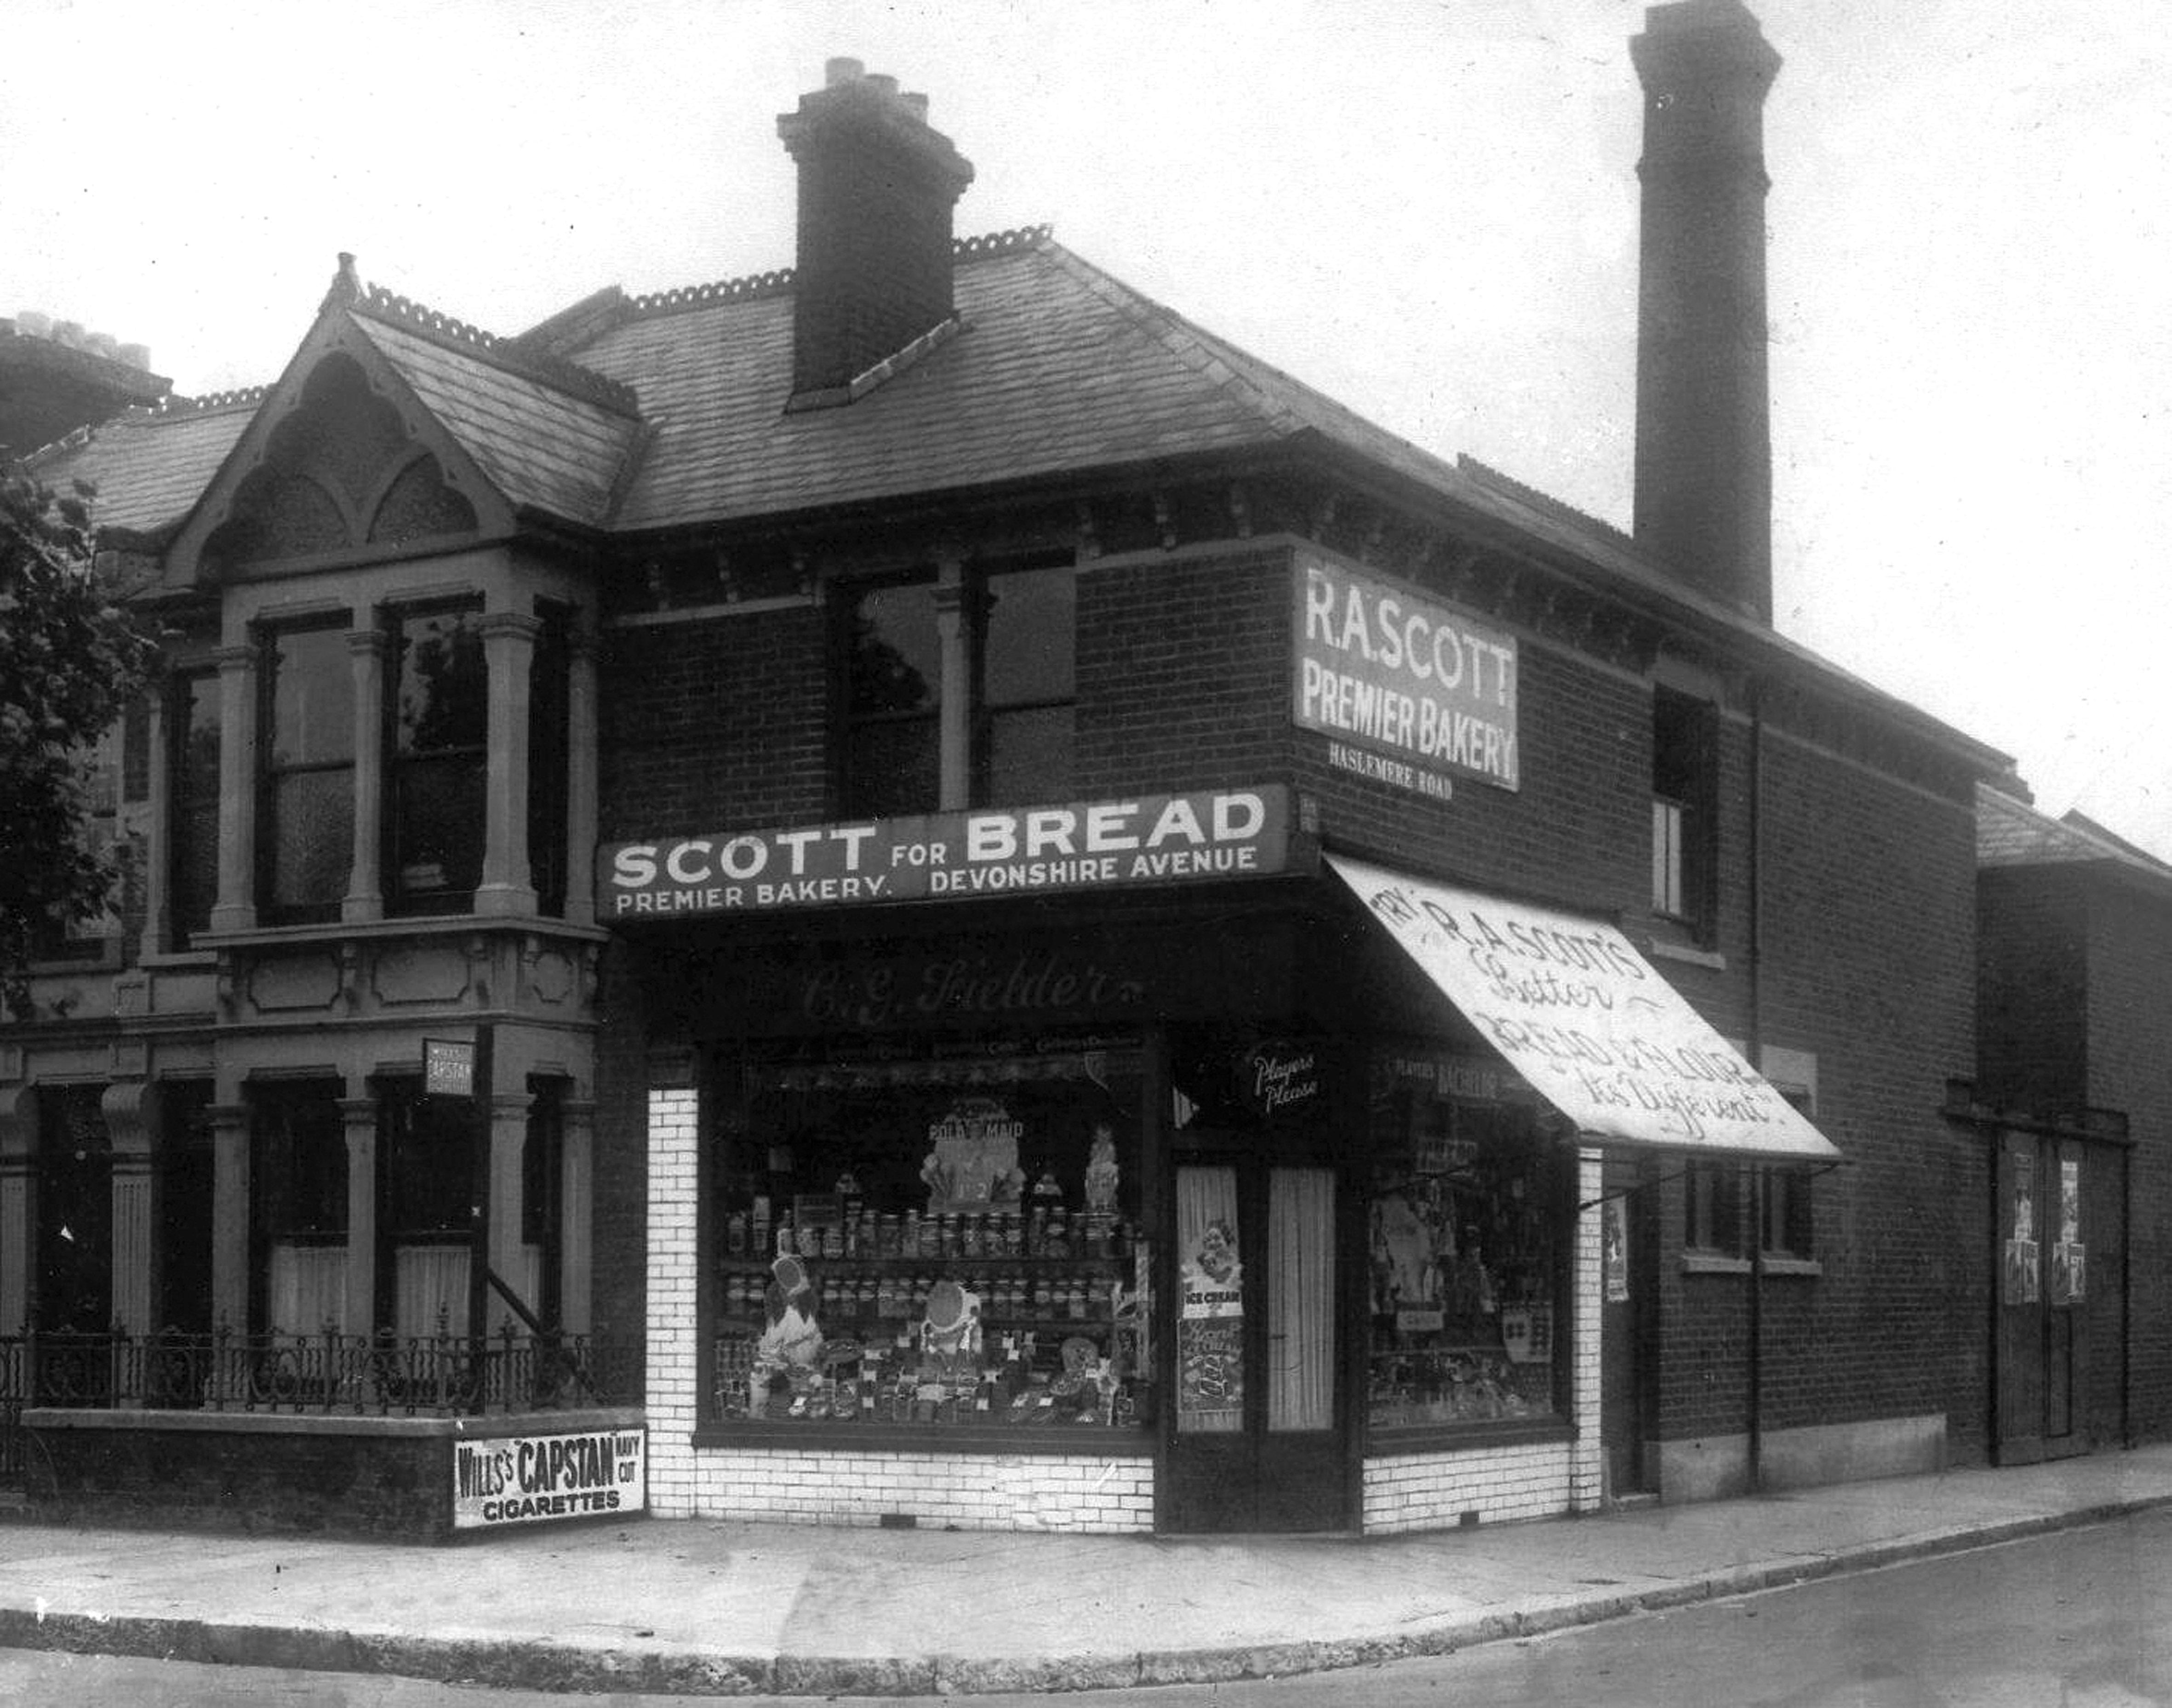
1209,833
1409,691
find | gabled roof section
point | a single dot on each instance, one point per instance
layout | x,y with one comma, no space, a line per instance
2010,833
553,437
150,466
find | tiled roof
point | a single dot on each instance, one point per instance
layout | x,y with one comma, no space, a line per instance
150,467
541,443
2010,833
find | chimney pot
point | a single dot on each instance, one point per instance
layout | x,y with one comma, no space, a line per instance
102,344
33,323
68,333
918,106
841,71
885,86
136,356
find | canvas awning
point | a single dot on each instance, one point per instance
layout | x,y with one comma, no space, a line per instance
1587,1021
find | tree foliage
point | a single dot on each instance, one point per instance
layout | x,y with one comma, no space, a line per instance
71,659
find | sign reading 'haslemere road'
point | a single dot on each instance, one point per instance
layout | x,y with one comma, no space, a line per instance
1149,839
1407,691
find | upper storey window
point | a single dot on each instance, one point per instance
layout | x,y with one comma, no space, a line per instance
999,643
1028,685
438,701
194,719
893,700
306,844
1684,800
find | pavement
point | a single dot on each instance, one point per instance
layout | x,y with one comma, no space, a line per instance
686,1606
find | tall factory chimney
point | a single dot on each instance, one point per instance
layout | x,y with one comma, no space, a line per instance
1704,443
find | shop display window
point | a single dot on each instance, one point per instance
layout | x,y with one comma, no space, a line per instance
933,1241
1466,1231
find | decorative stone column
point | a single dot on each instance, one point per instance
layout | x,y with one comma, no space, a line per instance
358,1118
229,1215
509,639
955,709
576,1202
580,779
130,1108
508,1144
236,907
157,937
19,1165
365,888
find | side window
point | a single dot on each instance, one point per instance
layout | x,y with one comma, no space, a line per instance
1787,1227
549,758
1685,798
306,776
1712,1218
438,701
192,723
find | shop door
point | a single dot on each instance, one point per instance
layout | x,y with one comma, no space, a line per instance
2043,1282
1621,1372
1257,1442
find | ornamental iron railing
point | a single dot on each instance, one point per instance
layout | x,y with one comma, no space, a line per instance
382,1375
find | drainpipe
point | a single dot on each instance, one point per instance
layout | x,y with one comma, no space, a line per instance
1756,1373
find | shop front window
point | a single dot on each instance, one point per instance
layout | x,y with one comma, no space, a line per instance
936,1241
1466,1229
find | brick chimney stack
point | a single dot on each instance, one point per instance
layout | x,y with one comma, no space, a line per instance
1704,443
877,187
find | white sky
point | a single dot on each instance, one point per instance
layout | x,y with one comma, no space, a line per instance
1425,207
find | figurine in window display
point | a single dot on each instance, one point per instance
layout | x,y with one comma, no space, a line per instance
1101,1173
792,1344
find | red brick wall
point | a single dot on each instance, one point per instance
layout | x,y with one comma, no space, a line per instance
2033,989
2129,1071
1867,901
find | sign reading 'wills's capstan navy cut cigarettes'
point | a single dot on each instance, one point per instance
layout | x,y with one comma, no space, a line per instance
1409,690
1148,839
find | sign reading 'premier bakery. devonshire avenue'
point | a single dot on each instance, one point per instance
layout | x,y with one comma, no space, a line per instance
994,851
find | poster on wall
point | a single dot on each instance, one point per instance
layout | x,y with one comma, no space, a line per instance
2021,1287
1615,1234
532,1479
2069,1265
1210,1321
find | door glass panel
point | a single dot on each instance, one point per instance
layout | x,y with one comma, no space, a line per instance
1210,1327
1301,1299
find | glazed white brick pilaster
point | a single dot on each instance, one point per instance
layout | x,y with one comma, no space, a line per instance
1586,1303
674,1145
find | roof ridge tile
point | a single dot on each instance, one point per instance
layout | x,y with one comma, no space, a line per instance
747,287
378,303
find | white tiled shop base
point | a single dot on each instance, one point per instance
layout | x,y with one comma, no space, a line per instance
1432,1491
968,1491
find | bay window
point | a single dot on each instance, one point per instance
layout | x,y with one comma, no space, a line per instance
305,846
436,760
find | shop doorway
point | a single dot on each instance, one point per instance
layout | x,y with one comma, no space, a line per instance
2045,1280
1257,1441
1622,1376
